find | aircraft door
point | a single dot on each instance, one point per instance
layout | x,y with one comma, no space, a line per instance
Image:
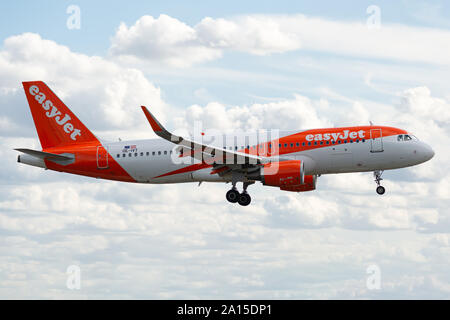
102,157
376,140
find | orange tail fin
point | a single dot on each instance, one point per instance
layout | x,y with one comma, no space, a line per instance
56,125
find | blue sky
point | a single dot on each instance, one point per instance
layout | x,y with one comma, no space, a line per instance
231,65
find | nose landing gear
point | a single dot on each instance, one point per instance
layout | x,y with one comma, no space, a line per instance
243,198
380,189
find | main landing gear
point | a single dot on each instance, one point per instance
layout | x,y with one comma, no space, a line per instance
243,198
380,189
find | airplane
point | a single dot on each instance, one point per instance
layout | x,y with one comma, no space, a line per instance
289,160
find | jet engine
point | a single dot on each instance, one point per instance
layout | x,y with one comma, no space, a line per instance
287,175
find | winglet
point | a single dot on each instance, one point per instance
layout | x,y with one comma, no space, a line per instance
158,128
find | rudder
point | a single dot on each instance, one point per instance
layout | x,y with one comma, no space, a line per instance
55,124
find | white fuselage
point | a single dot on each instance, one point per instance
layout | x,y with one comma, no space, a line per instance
152,158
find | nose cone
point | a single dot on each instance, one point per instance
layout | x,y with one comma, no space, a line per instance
427,152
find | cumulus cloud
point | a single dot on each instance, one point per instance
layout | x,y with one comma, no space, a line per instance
164,39
259,35
103,94
170,41
299,112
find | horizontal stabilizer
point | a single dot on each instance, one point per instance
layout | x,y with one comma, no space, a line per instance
46,155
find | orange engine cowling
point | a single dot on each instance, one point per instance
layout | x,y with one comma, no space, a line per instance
309,185
288,176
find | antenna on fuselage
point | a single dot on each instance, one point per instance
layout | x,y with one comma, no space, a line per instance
371,123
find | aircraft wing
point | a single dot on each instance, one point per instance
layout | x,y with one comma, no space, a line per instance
218,157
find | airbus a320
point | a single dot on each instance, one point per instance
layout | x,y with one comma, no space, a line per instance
288,160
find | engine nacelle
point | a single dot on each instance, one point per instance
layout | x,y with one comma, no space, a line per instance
283,173
309,185
288,176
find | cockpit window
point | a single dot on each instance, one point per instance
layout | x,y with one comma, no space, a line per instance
406,137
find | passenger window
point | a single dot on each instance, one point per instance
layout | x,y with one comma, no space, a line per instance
279,146
159,153
309,143
153,153
303,144
123,155
165,152
285,145
118,155
129,154
147,154
142,154
292,145
298,144
136,154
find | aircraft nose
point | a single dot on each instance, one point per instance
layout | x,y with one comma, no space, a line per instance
428,151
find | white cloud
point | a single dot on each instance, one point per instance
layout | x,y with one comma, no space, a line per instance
165,39
299,112
171,41
259,35
168,40
103,94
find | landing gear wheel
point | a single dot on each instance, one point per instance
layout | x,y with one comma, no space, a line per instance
377,174
233,196
244,199
381,190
